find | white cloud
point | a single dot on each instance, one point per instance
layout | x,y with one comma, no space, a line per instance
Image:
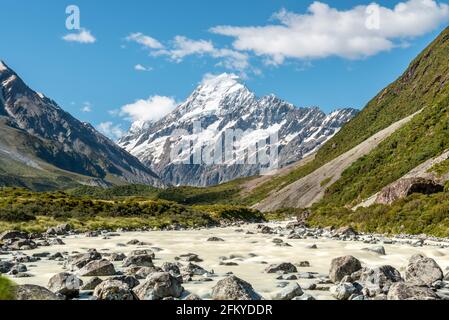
144,40
110,130
139,67
362,31
151,109
182,47
87,107
83,36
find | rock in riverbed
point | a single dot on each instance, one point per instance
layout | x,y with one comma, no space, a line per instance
343,266
66,284
33,292
158,286
113,290
284,267
97,268
422,271
233,288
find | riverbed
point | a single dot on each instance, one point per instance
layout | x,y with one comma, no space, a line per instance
252,251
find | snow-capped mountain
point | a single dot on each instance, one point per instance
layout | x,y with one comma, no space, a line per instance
224,131
40,141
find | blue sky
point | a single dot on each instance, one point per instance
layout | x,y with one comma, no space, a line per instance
92,80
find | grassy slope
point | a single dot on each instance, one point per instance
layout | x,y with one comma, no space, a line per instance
417,214
421,85
6,289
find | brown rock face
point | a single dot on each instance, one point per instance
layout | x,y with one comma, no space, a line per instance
406,187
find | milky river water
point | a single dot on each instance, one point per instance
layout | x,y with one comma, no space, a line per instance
253,254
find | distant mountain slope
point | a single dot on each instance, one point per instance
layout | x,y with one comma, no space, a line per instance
222,103
36,133
424,85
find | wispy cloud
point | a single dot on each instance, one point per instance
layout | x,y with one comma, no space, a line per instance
144,40
82,36
181,47
111,130
140,67
87,107
323,31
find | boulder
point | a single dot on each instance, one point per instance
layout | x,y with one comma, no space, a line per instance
422,271
192,297
189,257
7,235
343,266
379,279
342,291
113,290
405,187
289,292
147,252
33,292
142,260
130,281
233,288
5,266
346,231
66,284
60,230
380,250
407,291
97,268
215,239
80,260
284,267
117,257
158,286
91,284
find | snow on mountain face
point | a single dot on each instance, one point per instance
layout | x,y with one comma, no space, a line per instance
223,131
52,135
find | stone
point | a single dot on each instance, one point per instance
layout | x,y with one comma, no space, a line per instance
142,260
32,292
8,235
284,267
130,281
378,278
192,297
5,266
66,284
304,297
376,249
113,290
407,291
193,270
405,187
215,239
117,257
60,230
304,264
289,292
78,261
342,291
144,272
158,286
343,266
233,288
422,271
97,268
189,257
91,284
346,231
147,252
